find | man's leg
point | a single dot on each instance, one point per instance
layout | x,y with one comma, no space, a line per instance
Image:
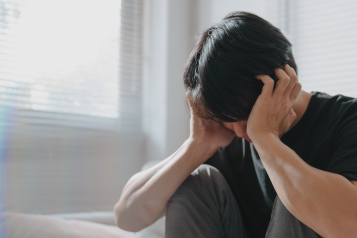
204,206
283,224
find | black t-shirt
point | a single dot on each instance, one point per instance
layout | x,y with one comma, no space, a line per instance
325,137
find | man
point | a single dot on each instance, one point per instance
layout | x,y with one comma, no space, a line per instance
280,162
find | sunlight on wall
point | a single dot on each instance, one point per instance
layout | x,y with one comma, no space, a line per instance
60,56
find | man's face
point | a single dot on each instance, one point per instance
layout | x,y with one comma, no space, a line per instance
239,127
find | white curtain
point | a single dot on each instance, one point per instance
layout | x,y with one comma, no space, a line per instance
324,38
70,103
71,62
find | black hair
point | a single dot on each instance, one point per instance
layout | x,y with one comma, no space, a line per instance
220,73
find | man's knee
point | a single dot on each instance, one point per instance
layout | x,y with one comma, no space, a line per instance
284,224
202,180
194,208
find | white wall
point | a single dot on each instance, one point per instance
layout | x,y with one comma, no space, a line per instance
170,40
54,170
212,11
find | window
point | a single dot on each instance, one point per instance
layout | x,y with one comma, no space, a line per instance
70,103
70,62
323,37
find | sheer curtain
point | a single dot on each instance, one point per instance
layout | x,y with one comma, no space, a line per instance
324,41
71,62
70,103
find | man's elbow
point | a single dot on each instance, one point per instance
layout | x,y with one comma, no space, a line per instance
342,233
117,216
344,228
348,231
120,218
124,220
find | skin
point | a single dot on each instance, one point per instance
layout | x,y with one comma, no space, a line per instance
324,201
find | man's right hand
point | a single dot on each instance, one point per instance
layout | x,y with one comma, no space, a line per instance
208,132
146,194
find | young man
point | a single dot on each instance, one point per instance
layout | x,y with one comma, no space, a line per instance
279,161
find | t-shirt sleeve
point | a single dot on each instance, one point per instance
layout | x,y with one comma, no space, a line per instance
344,150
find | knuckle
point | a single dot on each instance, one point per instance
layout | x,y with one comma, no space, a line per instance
277,70
293,77
270,83
286,79
267,78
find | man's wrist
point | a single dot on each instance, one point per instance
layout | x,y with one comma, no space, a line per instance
267,145
202,150
263,137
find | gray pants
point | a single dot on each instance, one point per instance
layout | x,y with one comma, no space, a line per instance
204,206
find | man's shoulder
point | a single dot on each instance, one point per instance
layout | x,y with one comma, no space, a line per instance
334,108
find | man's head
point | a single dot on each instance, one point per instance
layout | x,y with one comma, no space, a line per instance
220,73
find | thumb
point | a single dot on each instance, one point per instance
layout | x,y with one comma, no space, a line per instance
292,117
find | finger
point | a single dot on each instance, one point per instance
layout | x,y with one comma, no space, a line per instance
268,85
282,83
293,78
295,92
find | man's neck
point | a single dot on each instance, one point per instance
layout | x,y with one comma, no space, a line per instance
300,106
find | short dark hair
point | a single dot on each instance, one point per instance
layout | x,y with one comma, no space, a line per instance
220,73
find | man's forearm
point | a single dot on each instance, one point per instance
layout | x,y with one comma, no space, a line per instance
324,201
146,194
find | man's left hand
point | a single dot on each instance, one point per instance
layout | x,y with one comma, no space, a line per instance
272,112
